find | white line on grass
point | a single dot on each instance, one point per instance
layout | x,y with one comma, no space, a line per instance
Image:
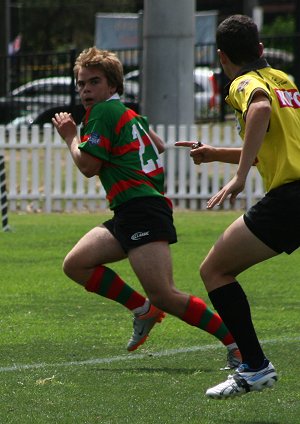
130,357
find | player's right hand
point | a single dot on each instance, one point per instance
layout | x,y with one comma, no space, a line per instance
201,154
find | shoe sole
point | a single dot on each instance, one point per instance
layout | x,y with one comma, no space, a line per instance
158,320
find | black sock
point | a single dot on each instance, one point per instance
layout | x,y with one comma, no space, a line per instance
232,305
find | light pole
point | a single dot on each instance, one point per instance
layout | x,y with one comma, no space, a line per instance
168,61
248,6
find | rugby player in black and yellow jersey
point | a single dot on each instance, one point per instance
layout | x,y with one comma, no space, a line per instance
267,108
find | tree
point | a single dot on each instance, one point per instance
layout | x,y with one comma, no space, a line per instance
57,25
283,25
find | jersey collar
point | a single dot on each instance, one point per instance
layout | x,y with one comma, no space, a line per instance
253,66
115,96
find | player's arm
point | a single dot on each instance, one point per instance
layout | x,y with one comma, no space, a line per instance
88,165
160,145
257,122
66,127
204,153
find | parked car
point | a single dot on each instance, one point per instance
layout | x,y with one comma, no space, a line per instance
280,59
27,102
46,116
206,91
36,102
132,86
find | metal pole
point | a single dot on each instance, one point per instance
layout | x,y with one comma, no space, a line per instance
3,199
168,61
296,70
248,6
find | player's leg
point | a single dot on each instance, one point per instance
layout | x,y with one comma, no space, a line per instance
235,251
152,264
85,265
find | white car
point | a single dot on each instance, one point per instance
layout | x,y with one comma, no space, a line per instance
26,102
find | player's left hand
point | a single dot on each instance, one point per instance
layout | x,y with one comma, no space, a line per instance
232,189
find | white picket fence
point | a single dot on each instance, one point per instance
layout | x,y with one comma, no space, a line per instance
41,176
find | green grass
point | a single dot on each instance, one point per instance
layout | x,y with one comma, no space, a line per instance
55,327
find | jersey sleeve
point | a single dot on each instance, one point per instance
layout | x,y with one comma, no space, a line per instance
95,136
242,91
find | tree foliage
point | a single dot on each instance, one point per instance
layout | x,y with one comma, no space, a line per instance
57,25
283,25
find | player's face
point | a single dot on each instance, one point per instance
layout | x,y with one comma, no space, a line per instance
93,86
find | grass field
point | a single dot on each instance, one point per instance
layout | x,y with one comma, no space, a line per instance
63,350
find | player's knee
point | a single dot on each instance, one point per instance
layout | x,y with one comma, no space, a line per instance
164,300
158,300
212,275
68,266
206,272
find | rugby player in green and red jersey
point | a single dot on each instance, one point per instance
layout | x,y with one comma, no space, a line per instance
117,145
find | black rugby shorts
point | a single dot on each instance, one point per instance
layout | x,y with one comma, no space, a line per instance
275,219
142,220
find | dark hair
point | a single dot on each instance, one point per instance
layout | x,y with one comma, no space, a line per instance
237,36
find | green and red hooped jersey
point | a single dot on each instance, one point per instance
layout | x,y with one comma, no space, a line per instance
131,163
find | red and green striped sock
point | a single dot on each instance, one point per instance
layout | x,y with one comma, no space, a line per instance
105,282
200,315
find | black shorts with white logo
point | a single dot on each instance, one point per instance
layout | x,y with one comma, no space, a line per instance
142,220
275,219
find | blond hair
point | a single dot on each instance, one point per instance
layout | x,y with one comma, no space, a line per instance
106,61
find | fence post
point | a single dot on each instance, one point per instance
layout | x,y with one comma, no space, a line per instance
4,207
47,140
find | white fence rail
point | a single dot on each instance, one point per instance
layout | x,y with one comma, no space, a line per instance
40,174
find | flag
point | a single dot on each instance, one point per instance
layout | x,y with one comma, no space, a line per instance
15,45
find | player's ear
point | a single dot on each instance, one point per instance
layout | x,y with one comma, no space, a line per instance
112,89
222,56
261,49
